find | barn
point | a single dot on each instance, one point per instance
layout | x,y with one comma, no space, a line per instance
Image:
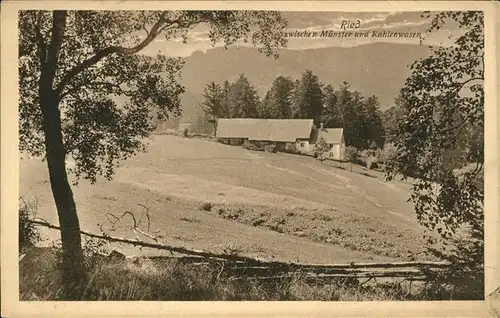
284,133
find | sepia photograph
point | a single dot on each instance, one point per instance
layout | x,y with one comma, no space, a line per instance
251,155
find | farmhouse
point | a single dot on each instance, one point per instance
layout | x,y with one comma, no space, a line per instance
299,135
284,133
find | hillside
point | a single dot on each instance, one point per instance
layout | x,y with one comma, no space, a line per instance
375,69
279,206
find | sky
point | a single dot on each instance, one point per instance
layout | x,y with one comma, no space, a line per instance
321,21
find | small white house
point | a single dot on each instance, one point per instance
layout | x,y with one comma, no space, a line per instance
334,137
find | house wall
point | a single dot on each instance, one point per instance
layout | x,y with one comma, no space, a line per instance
302,145
337,152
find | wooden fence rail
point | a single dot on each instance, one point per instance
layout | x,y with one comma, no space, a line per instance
236,265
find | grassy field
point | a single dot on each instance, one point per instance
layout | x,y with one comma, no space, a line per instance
205,195
173,279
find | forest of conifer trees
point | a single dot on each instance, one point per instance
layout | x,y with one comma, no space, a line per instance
303,98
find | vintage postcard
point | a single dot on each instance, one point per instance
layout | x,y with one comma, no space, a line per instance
249,158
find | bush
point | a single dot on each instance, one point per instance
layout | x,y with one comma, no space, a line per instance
352,154
368,158
270,148
29,235
207,206
291,149
185,133
388,153
250,146
371,163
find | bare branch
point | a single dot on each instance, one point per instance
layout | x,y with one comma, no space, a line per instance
146,234
147,214
119,218
132,215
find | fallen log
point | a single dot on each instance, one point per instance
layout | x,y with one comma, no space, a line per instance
269,270
332,276
263,268
157,246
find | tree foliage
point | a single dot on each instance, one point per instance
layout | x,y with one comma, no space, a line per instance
392,117
308,97
243,100
278,100
29,235
321,148
373,129
332,113
360,118
212,104
444,103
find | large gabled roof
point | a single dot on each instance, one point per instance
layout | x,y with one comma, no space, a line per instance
332,135
284,130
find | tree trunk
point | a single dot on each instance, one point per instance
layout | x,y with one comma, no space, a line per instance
73,269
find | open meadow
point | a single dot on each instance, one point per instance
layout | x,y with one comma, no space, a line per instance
205,195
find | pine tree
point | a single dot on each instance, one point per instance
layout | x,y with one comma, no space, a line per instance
212,104
243,99
308,98
226,109
349,104
203,124
373,129
392,117
278,100
266,106
332,114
